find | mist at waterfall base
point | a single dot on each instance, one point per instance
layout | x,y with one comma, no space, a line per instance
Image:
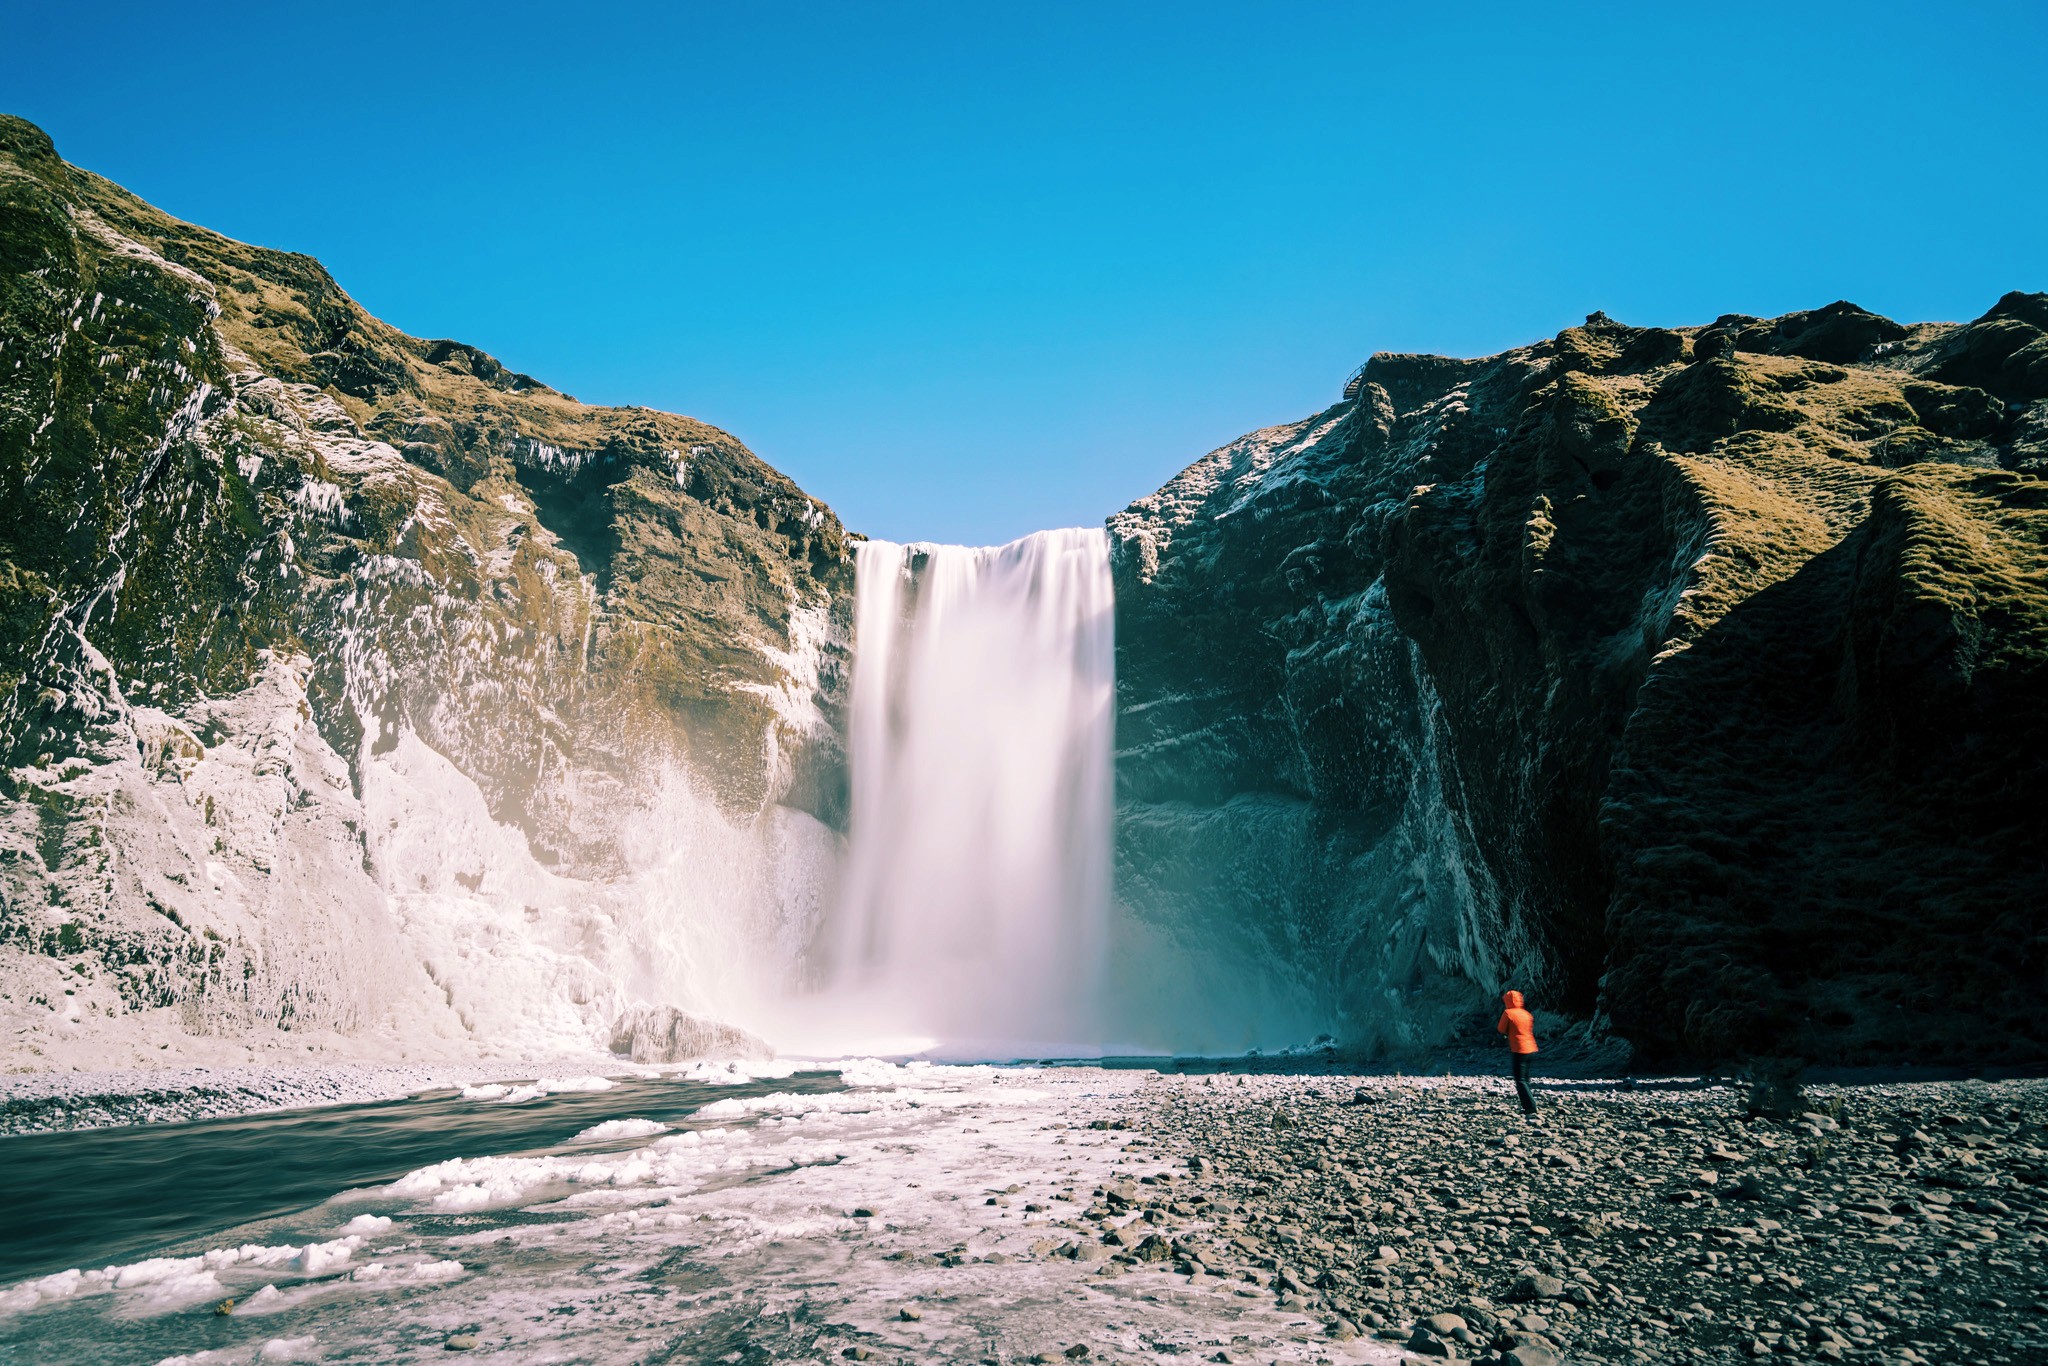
967,912
974,916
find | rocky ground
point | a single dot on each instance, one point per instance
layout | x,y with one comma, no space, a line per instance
1654,1222
1007,1215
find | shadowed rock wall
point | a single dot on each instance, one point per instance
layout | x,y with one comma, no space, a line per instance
1719,651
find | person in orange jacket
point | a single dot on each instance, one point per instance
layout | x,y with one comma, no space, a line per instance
1520,1027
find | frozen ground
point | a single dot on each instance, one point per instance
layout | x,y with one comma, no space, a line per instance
886,1221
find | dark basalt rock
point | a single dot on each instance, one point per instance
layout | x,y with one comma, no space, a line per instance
1701,672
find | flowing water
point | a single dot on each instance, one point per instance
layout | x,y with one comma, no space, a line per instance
972,912
798,1225
109,1195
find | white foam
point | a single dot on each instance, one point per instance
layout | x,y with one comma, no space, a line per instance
286,1349
367,1224
553,1086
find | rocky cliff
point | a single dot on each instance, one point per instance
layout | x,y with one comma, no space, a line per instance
358,692
1694,679
303,616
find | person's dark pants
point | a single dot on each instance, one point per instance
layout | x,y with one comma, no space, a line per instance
1521,1067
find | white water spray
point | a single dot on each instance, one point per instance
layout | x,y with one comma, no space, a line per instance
973,910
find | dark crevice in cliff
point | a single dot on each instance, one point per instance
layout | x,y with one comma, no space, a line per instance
574,503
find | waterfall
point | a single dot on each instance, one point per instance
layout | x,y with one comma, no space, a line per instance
973,908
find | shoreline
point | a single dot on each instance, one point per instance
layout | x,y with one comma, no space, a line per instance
54,1102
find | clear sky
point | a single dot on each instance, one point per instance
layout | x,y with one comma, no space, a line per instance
965,270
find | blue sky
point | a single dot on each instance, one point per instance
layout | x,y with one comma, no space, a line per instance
966,270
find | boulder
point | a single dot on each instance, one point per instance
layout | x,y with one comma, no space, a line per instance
651,1034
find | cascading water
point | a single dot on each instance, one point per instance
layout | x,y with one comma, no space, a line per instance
972,915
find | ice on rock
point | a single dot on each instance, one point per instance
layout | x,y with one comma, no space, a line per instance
539,964
615,1129
474,1196
60,1286
436,1271
735,1072
158,1271
317,1259
170,1281
917,1073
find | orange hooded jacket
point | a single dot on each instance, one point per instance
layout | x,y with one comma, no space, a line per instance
1518,1024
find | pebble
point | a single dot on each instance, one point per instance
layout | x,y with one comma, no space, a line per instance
1651,1223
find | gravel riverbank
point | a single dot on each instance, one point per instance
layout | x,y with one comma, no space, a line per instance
1645,1222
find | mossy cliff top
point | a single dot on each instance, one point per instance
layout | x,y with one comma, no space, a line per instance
114,314
446,405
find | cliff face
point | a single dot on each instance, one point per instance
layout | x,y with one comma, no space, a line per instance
274,575
1693,678
355,689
